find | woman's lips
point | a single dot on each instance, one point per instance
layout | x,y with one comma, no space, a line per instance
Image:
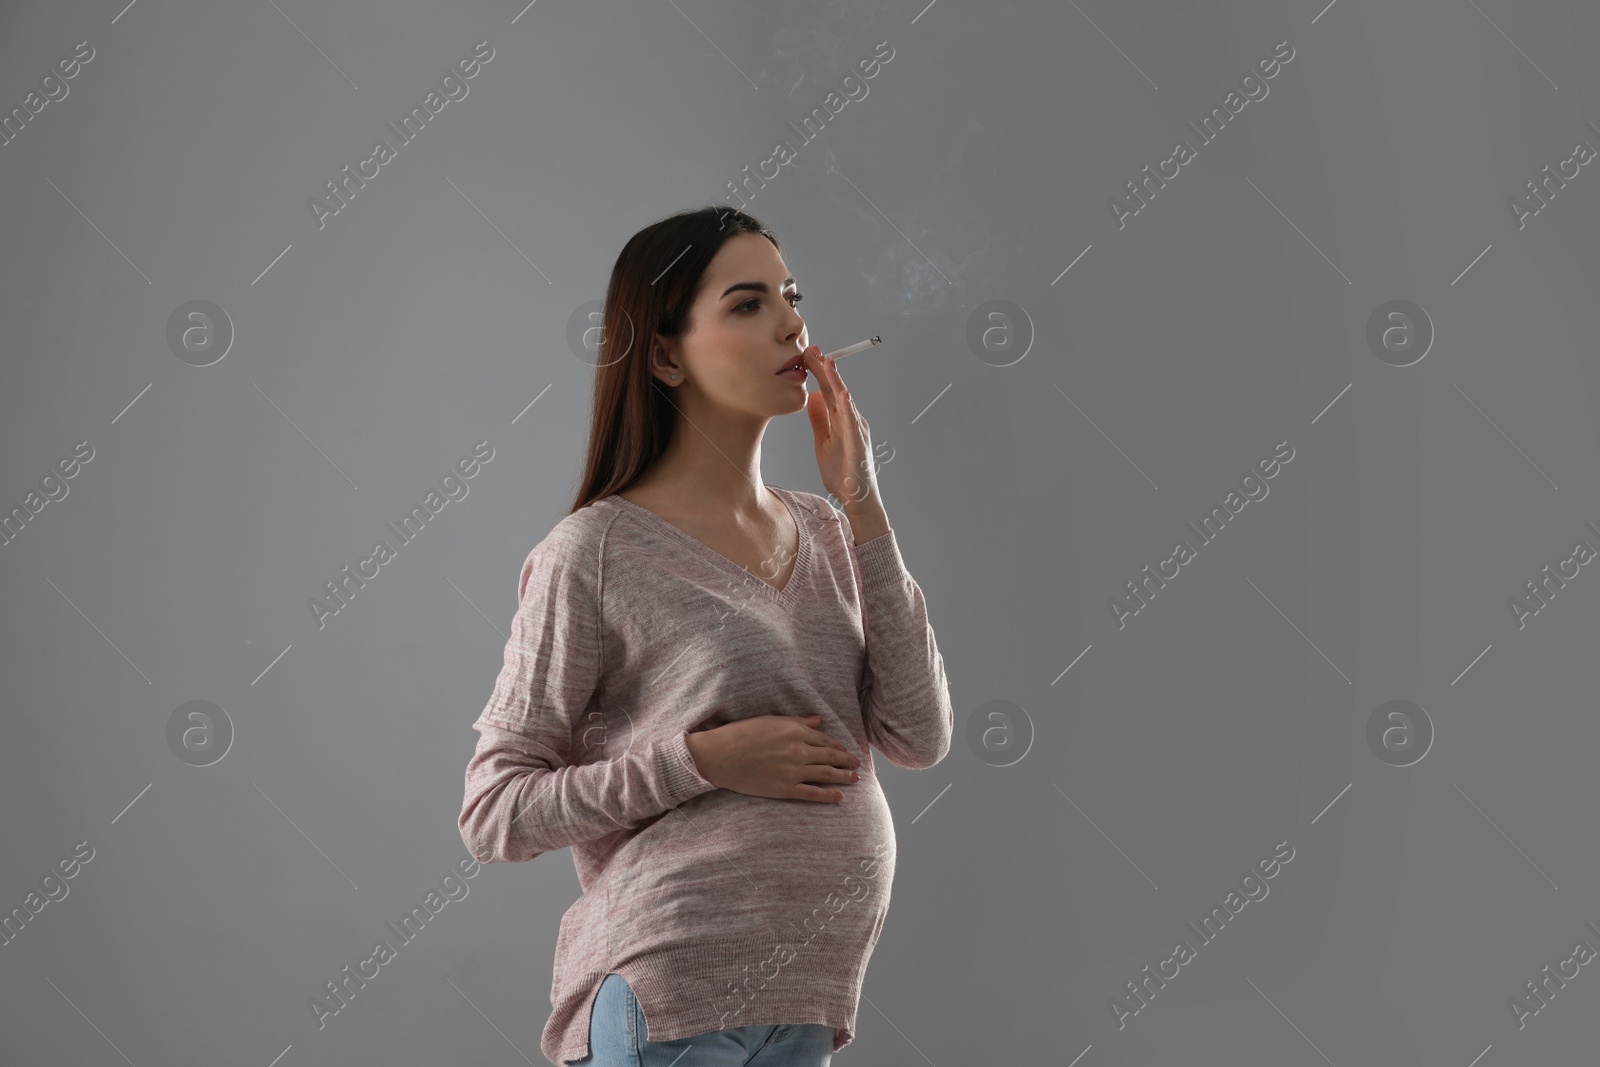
794,374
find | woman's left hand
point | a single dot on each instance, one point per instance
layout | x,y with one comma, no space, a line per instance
843,438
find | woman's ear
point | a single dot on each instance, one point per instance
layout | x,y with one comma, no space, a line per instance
661,360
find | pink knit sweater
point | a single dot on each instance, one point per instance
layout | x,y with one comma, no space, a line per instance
720,909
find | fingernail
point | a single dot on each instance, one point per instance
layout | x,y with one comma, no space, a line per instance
855,777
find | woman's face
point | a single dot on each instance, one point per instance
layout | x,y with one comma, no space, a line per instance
743,327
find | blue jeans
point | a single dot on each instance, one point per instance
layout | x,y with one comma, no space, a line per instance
618,1037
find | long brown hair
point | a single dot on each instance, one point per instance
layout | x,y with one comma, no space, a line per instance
653,283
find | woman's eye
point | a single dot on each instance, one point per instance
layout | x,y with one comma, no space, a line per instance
794,298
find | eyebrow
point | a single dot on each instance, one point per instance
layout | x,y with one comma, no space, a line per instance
760,287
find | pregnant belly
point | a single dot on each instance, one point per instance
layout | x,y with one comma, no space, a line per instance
737,865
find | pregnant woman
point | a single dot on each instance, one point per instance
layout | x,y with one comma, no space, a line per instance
698,669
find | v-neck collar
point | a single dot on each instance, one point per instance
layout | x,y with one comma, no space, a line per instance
694,544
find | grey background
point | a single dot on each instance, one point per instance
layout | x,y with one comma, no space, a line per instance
1228,315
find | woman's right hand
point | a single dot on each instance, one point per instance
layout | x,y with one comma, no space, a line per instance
774,756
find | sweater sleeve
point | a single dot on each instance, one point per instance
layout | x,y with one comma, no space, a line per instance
906,700
524,794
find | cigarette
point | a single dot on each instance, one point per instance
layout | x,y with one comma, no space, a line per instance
859,346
